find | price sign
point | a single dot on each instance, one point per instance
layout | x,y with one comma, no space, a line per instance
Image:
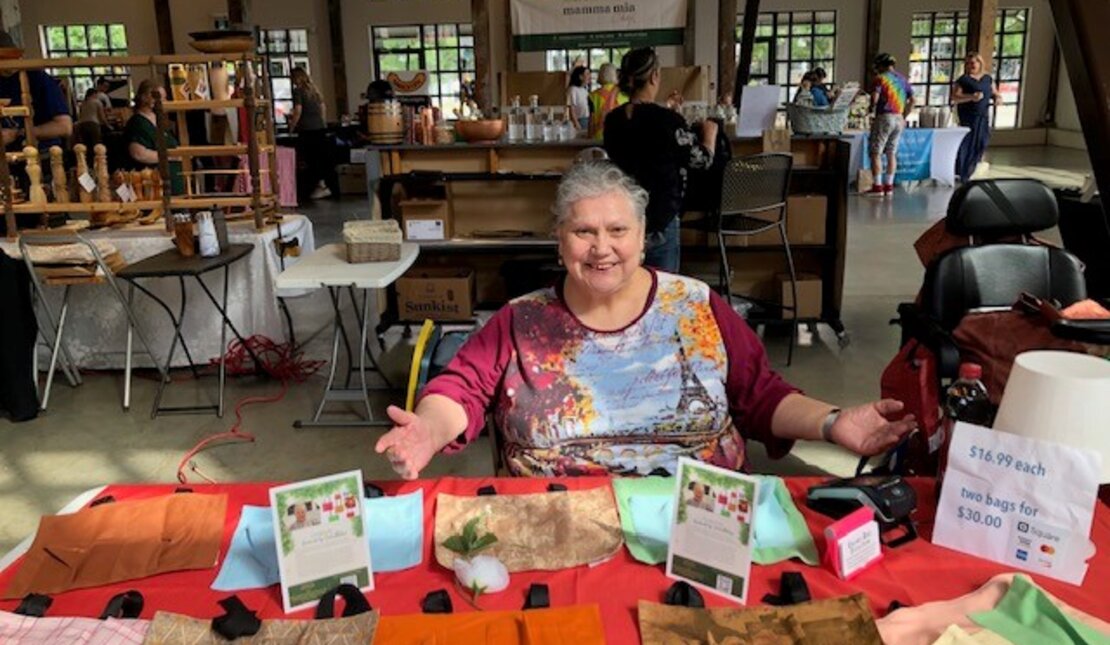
1022,502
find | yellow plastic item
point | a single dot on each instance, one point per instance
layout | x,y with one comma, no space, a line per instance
422,340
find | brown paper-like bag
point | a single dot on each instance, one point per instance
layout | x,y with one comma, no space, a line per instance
169,629
540,531
776,140
121,541
837,620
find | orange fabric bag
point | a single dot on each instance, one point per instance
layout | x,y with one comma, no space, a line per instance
580,625
121,541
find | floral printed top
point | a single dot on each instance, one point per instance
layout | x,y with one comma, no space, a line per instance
570,400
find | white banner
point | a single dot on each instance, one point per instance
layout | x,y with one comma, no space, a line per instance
577,24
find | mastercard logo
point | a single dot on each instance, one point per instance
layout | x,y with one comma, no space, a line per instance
1048,549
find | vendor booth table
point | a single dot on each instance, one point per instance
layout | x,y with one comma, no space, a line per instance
96,330
912,574
923,153
328,268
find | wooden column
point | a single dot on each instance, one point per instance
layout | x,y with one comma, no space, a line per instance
747,42
980,29
726,47
165,26
239,12
1080,28
871,39
689,50
510,44
483,90
338,59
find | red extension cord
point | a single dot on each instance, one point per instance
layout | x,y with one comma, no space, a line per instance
279,360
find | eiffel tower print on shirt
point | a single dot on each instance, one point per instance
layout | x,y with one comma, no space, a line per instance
693,397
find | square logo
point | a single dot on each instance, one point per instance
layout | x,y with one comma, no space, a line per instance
1023,527
1022,555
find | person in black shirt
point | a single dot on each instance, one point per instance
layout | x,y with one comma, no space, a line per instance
655,146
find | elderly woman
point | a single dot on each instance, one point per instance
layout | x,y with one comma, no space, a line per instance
141,134
620,368
604,99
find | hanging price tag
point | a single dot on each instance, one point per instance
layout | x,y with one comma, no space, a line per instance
125,193
87,182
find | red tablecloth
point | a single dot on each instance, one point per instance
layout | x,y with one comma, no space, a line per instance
912,574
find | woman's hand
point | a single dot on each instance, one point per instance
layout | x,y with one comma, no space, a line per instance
869,429
978,96
409,445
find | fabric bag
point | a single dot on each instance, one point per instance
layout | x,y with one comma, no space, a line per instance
911,377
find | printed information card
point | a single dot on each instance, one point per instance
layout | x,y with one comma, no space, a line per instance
1023,502
711,535
321,538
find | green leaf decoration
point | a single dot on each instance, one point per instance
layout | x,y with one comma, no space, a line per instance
469,542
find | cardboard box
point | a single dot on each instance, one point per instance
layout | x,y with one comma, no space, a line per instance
805,218
426,219
352,179
438,293
809,295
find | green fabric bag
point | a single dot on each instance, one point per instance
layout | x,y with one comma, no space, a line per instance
1026,616
646,505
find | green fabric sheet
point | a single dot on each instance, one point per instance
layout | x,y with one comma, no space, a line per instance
1026,616
650,499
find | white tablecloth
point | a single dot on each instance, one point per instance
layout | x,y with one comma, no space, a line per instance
942,163
96,327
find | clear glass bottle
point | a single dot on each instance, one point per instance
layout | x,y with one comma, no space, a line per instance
550,126
533,124
516,122
569,129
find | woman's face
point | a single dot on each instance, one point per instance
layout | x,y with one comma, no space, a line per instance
973,66
586,79
601,242
149,99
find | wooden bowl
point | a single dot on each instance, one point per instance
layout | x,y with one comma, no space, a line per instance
483,131
219,34
10,53
237,45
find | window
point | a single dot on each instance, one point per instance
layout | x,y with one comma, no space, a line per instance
939,43
445,50
563,60
80,41
286,48
788,44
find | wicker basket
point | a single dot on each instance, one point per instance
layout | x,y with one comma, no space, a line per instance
806,119
360,252
372,241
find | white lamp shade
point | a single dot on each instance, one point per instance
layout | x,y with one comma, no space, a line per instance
1062,397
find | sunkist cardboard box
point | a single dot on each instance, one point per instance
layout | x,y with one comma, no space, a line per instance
426,219
437,293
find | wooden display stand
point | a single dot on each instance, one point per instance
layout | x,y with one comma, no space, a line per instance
252,79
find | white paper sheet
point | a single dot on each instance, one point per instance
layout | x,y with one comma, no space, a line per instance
1022,502
758,106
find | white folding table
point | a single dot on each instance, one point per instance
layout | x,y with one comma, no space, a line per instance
328,268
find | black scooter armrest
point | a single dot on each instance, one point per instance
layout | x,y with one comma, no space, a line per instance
1095,332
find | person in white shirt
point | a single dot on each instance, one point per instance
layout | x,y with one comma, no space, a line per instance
578,96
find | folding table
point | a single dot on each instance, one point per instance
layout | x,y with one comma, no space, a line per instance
328,268
171,264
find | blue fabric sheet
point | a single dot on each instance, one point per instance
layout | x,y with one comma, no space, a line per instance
394,526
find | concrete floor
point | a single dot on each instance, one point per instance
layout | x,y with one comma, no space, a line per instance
85,440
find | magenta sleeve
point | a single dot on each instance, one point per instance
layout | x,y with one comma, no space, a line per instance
473,375
754,390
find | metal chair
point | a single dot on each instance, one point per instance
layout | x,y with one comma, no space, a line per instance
53,331
753,200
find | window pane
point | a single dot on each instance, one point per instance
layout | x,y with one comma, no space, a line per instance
961,45
825,28
466,41
1005,116
302,61
920,49
466,29
279,67
55,38
762,31
1013,45
283,88
803,28
1014,21
944,25
448,59
282,110
782,74
76,36
802,16
918,72
556,60
825,16
466,59
782,48
117,36
448,36
298,40
98,37
1009,91
961,24
920,25
797,70
1010,70
823,47
943,47
941,71
938,95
